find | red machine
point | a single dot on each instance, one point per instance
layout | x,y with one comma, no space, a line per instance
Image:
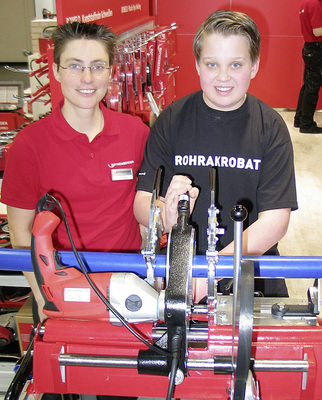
118,335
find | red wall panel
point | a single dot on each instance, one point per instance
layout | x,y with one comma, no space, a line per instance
188,14
273,17
281,70
187,79
280,73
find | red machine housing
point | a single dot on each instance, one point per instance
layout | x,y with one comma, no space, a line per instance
98,338
78,350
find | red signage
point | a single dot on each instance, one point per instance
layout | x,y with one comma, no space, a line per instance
118,15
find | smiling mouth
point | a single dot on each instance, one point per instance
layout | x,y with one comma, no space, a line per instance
223,89
86,91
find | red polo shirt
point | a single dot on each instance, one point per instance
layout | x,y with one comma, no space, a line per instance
95,182
311,18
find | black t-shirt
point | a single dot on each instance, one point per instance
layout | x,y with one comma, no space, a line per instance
250,148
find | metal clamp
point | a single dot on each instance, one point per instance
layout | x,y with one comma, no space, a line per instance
211,252
154,231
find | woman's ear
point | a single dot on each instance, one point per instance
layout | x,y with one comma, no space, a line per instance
55,72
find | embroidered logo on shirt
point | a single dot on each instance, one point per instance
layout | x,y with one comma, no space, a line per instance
121,174
112,165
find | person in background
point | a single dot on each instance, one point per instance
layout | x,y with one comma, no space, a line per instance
82,153
311,26
223,126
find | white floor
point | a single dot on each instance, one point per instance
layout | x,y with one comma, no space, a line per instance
304,236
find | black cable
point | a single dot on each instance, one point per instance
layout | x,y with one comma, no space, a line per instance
176,346
95,288
21,375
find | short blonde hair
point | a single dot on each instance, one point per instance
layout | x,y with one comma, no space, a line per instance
229,23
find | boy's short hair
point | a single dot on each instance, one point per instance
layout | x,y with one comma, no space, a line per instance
229,23
63,34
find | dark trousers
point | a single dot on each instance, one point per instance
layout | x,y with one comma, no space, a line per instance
309,93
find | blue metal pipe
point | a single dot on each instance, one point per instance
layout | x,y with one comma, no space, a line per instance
265,266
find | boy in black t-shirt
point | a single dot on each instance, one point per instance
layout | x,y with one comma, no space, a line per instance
224,127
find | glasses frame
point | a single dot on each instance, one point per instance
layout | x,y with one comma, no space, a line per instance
82,69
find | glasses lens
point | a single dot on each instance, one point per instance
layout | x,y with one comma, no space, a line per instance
98,69
76,69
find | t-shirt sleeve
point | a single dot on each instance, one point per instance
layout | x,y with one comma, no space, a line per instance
315,14
143,135
158,153
277,187
20,175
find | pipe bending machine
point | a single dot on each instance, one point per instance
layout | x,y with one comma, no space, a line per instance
122,333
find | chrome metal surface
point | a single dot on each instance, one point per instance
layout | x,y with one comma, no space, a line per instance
197,364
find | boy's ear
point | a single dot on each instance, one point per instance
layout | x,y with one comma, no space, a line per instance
197,67
255,68
55,72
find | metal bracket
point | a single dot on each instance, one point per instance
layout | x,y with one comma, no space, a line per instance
154,230
307,312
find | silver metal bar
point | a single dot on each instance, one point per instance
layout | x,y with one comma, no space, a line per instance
192,363
200,309
97,361
13,280
258,365
281,365
153,104
238,252
196,336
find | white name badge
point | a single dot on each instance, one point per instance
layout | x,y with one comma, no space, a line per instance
122,174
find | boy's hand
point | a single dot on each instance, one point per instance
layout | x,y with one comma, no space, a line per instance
179,185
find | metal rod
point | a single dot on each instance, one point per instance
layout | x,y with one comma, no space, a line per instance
238,252
192,336
192,363
265,266
81,360
281,365
258,365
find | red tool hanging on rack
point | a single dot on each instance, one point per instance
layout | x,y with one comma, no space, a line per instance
143,65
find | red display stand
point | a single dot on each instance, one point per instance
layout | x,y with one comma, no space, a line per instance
10,121
141,47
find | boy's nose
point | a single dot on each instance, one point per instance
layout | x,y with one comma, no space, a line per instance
223,74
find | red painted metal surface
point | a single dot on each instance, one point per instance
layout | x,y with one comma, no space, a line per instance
103,339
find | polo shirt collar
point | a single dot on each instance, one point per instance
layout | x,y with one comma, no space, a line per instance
65,132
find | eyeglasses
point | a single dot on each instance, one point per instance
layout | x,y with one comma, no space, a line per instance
77,69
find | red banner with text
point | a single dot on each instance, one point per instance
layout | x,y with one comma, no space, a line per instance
119,15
